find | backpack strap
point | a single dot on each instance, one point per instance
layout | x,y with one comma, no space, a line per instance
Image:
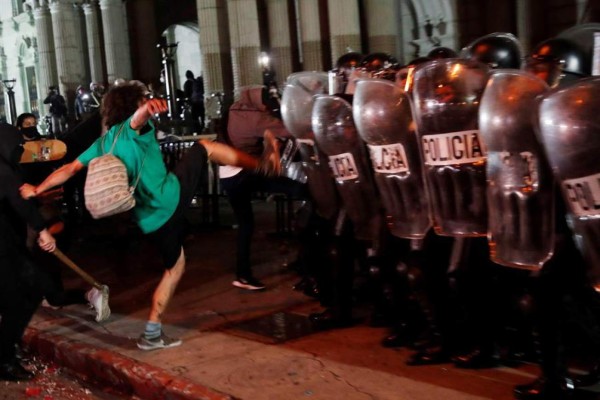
137,180
114,140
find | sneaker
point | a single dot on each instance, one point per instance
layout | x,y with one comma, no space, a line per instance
270,162
248,284
99,301
45,304
161,342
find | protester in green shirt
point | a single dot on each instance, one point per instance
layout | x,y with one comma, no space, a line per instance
161,197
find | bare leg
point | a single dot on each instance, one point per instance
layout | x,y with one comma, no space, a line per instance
227,155
165,289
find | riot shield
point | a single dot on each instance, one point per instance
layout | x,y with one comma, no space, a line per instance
383,117
569,130
337,137
446,103
296,108
520,184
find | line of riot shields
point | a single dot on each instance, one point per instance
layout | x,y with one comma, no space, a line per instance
459,157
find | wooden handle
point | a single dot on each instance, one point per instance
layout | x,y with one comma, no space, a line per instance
67,261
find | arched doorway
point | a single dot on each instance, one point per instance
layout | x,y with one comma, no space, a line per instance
188,56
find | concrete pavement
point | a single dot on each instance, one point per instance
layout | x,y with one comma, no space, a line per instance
222,357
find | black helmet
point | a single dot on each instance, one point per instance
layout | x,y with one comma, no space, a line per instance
441,52
499,50
574,59
377,61
419,60
348,60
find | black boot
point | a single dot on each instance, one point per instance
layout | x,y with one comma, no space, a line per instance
430,356
394,339
328,320
476,359
545,389
13,371
590,379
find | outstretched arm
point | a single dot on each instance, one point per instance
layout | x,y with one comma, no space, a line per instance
146,111
56,178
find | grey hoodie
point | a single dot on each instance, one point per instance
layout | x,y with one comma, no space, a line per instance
248,120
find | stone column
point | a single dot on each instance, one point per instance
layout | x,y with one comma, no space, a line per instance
92,27
116,43
47,75
245,42
581,8
310,34
215,46
344,27
381,25
69,57
81,38
280,38
524,24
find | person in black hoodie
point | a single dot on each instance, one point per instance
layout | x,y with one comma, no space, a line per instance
20,293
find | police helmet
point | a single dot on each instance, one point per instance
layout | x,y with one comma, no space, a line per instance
575,61
349,60
498,50
441,52
376,61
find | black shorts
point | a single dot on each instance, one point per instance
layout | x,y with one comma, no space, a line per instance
168,239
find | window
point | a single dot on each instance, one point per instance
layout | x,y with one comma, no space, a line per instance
17,7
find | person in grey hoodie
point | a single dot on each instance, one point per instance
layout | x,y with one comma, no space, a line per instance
251,123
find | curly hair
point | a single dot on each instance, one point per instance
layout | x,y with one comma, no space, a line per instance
120,103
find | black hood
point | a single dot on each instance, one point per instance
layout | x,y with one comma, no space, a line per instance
11,146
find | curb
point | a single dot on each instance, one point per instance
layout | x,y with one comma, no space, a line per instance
111,369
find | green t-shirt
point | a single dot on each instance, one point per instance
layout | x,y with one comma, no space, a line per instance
157,193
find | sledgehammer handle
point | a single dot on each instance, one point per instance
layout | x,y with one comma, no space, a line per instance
62,257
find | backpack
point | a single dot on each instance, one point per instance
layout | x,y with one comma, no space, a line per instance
107,191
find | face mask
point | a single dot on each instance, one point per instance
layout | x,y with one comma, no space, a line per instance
30,132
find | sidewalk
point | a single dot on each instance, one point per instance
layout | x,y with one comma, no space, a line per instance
224,356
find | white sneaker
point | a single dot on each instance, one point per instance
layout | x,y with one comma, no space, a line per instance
99,301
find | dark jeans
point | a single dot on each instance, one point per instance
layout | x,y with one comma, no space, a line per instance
239,189
20,295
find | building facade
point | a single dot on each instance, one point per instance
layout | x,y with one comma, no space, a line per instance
67,43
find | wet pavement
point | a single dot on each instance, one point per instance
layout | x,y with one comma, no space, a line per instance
236,344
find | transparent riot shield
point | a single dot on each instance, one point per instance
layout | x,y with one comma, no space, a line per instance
296,109
569,129
446,103
337,137
383,117
520,191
